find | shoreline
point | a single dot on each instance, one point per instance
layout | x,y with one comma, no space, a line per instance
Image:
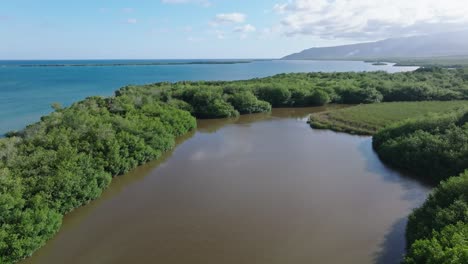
131,64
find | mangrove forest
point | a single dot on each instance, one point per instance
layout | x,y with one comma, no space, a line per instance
70,156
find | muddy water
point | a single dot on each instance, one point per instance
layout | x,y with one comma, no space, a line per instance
259,189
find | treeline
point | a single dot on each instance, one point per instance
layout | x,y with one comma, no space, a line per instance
435,147
70,156
438,231
226,99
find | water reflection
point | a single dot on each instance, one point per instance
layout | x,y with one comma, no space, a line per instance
302,112
392,248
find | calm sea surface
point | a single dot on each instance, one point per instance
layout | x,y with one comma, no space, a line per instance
26,93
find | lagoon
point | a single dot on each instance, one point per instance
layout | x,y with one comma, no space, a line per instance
263,188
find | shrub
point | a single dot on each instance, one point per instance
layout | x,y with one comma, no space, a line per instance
435,147
275,95
447,246
247,103
318,98
358,95
438,231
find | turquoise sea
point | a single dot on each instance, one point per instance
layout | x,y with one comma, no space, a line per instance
28,88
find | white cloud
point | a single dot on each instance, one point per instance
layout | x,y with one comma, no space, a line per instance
205,3
128,10
245,29
236,146
229,18
366,19
132,21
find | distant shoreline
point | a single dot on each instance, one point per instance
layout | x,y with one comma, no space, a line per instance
120,63
443,62
168,63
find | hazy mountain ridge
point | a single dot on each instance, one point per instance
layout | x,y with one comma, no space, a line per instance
437,45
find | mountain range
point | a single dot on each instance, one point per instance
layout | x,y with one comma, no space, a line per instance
424,46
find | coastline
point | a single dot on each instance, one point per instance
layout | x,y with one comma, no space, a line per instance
132,64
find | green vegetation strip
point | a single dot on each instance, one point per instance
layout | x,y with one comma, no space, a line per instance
70,156
434,147
368,119
447,61
441,61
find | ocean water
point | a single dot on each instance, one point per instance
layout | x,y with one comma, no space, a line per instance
28,88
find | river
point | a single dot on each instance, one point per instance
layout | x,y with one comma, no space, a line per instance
262,189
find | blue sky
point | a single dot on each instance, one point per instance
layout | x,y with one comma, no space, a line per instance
152,29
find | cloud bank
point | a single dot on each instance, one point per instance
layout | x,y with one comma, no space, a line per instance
370,19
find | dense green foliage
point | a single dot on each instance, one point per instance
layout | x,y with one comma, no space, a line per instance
434,147
370,118
447,246
227,99
438,231
70,156
246,103
318,97
207,103
444,61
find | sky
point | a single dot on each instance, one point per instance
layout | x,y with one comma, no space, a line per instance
204,29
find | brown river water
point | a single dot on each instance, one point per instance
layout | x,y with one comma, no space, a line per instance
260,189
